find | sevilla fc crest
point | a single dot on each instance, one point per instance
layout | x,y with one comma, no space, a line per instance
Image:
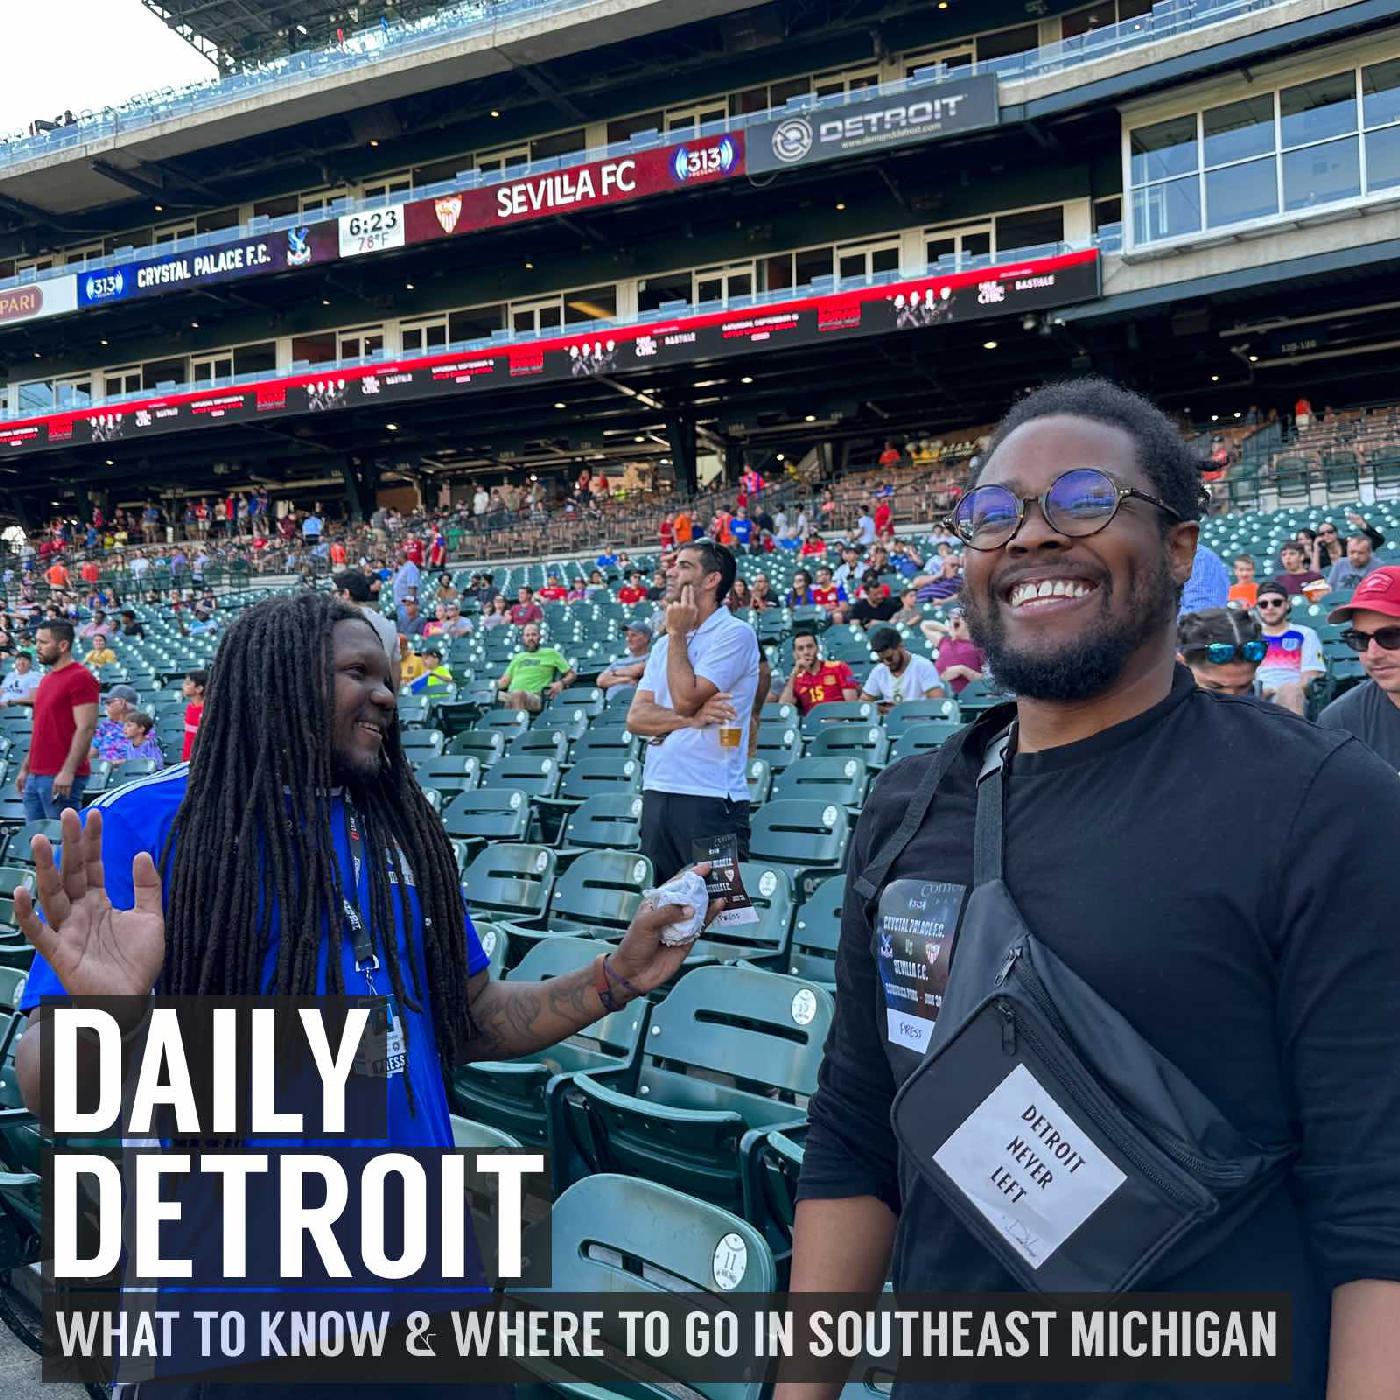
448,211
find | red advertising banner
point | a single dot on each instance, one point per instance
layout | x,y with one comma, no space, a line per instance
600,182
887,309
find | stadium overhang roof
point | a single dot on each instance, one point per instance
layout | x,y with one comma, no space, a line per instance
234,32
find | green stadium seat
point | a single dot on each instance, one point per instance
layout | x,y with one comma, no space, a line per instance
867,741
920,738
607,821
760,780
615,1235
816,934
825,779
911,712
597,895
479,1137
12,878
506,720
763,944
778,744
772,1166
450,774
509,881
420,742
130,768
808,839
572,721
17,851
515,1096
534,775
579,697
731,1050
838,712
539,742
499,814
487,746
615,745
592,776
495,943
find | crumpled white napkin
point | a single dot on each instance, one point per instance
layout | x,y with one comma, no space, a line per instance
684,889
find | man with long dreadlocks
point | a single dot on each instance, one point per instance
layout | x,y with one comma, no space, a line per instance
258,868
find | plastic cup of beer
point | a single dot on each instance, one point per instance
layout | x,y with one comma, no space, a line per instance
730,736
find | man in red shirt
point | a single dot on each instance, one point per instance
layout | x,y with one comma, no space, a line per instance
553,590
634,590
667,533
828,594
884,518
815,681
90,571
55,771
414,550
525,609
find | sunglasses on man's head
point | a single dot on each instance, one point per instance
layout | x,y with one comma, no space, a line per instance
1223,653
1387,638
1079,502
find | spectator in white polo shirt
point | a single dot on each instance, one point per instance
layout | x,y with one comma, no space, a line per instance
695,703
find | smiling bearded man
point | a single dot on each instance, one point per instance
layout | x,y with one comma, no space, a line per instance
1097,822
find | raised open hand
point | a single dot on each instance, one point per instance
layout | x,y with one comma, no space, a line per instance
94,949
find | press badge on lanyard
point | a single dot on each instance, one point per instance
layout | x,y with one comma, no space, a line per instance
915,926
381,1051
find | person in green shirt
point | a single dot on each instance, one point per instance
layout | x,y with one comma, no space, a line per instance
532,672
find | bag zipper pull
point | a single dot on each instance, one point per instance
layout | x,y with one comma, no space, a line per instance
1011,959
1008,1029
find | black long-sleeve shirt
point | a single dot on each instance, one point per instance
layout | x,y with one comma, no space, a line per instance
1223,873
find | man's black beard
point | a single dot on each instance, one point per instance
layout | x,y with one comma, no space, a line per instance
1088,664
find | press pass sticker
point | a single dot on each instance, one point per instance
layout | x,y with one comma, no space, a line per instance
724,881
914,931
1028,1167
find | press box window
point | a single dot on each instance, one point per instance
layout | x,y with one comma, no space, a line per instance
156,374
1380,113
1321,150
1164,164
425,335
126,380
476,322
361,342
1035,228
590,304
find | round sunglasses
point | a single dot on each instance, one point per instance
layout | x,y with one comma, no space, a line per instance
1223,653
1387,638
1079,502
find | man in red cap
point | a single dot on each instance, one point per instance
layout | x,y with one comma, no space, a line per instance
1371,711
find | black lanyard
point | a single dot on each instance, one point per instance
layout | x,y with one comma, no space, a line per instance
366,961
989,833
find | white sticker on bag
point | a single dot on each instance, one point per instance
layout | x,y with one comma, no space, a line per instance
1031,1171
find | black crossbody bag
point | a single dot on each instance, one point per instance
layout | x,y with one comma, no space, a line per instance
1082,1158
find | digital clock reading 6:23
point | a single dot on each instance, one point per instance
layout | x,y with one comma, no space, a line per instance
371,230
